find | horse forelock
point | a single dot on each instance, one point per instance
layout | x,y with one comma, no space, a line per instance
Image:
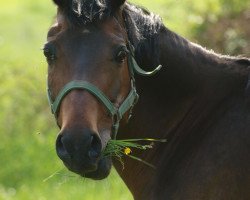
84,12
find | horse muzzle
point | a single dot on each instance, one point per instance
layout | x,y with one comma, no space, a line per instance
80,151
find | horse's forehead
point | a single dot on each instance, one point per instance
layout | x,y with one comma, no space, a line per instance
110,28
114,30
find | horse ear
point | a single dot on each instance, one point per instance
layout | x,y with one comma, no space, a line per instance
60,3
115,4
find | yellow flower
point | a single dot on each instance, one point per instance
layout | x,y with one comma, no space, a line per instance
127,151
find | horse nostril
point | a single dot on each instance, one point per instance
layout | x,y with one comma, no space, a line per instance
95,147
93,154
80,151
60,149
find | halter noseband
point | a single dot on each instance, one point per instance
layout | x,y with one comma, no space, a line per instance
116,113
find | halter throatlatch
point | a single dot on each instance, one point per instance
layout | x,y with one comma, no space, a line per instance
115,113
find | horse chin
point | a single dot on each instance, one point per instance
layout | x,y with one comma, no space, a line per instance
102,172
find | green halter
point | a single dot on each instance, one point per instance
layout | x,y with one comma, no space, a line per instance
116,113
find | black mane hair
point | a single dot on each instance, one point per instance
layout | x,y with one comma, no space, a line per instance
143,28
83,12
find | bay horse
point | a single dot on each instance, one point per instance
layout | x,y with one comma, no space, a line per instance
102,54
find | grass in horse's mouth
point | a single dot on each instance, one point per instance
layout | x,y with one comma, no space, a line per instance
120,148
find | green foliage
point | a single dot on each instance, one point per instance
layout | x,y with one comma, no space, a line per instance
120,148
27,129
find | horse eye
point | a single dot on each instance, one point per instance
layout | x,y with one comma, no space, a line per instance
121,56
49,52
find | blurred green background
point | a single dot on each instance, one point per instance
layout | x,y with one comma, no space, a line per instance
29,168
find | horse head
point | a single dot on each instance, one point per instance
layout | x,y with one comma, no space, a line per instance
87,54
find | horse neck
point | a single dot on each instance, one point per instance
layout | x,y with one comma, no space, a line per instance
192,81
175,102
186,66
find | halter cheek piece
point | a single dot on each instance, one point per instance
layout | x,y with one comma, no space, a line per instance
115,113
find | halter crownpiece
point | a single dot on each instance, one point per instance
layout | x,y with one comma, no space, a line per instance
116,113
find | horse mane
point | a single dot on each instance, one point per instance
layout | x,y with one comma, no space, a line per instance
146,24
143,28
